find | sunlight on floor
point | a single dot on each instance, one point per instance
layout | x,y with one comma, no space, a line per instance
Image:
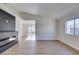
31,37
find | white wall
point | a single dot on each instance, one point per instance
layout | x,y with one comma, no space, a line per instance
19,27
24,30
70,40
45,29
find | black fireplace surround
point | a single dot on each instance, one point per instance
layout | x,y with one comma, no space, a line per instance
8,35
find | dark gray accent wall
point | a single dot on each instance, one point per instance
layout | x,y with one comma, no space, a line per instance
7,22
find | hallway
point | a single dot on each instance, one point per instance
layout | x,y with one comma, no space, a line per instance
40,47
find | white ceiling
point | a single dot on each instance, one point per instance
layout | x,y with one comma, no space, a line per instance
51,10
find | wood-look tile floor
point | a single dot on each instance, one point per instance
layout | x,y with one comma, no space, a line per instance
40,48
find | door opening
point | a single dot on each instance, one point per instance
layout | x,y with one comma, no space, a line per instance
31,30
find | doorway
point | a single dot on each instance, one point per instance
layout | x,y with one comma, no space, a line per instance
31,30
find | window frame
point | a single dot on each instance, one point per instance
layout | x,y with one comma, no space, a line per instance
75,26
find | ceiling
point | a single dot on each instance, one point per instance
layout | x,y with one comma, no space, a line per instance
50,10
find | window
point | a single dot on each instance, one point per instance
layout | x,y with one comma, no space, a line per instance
72,26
